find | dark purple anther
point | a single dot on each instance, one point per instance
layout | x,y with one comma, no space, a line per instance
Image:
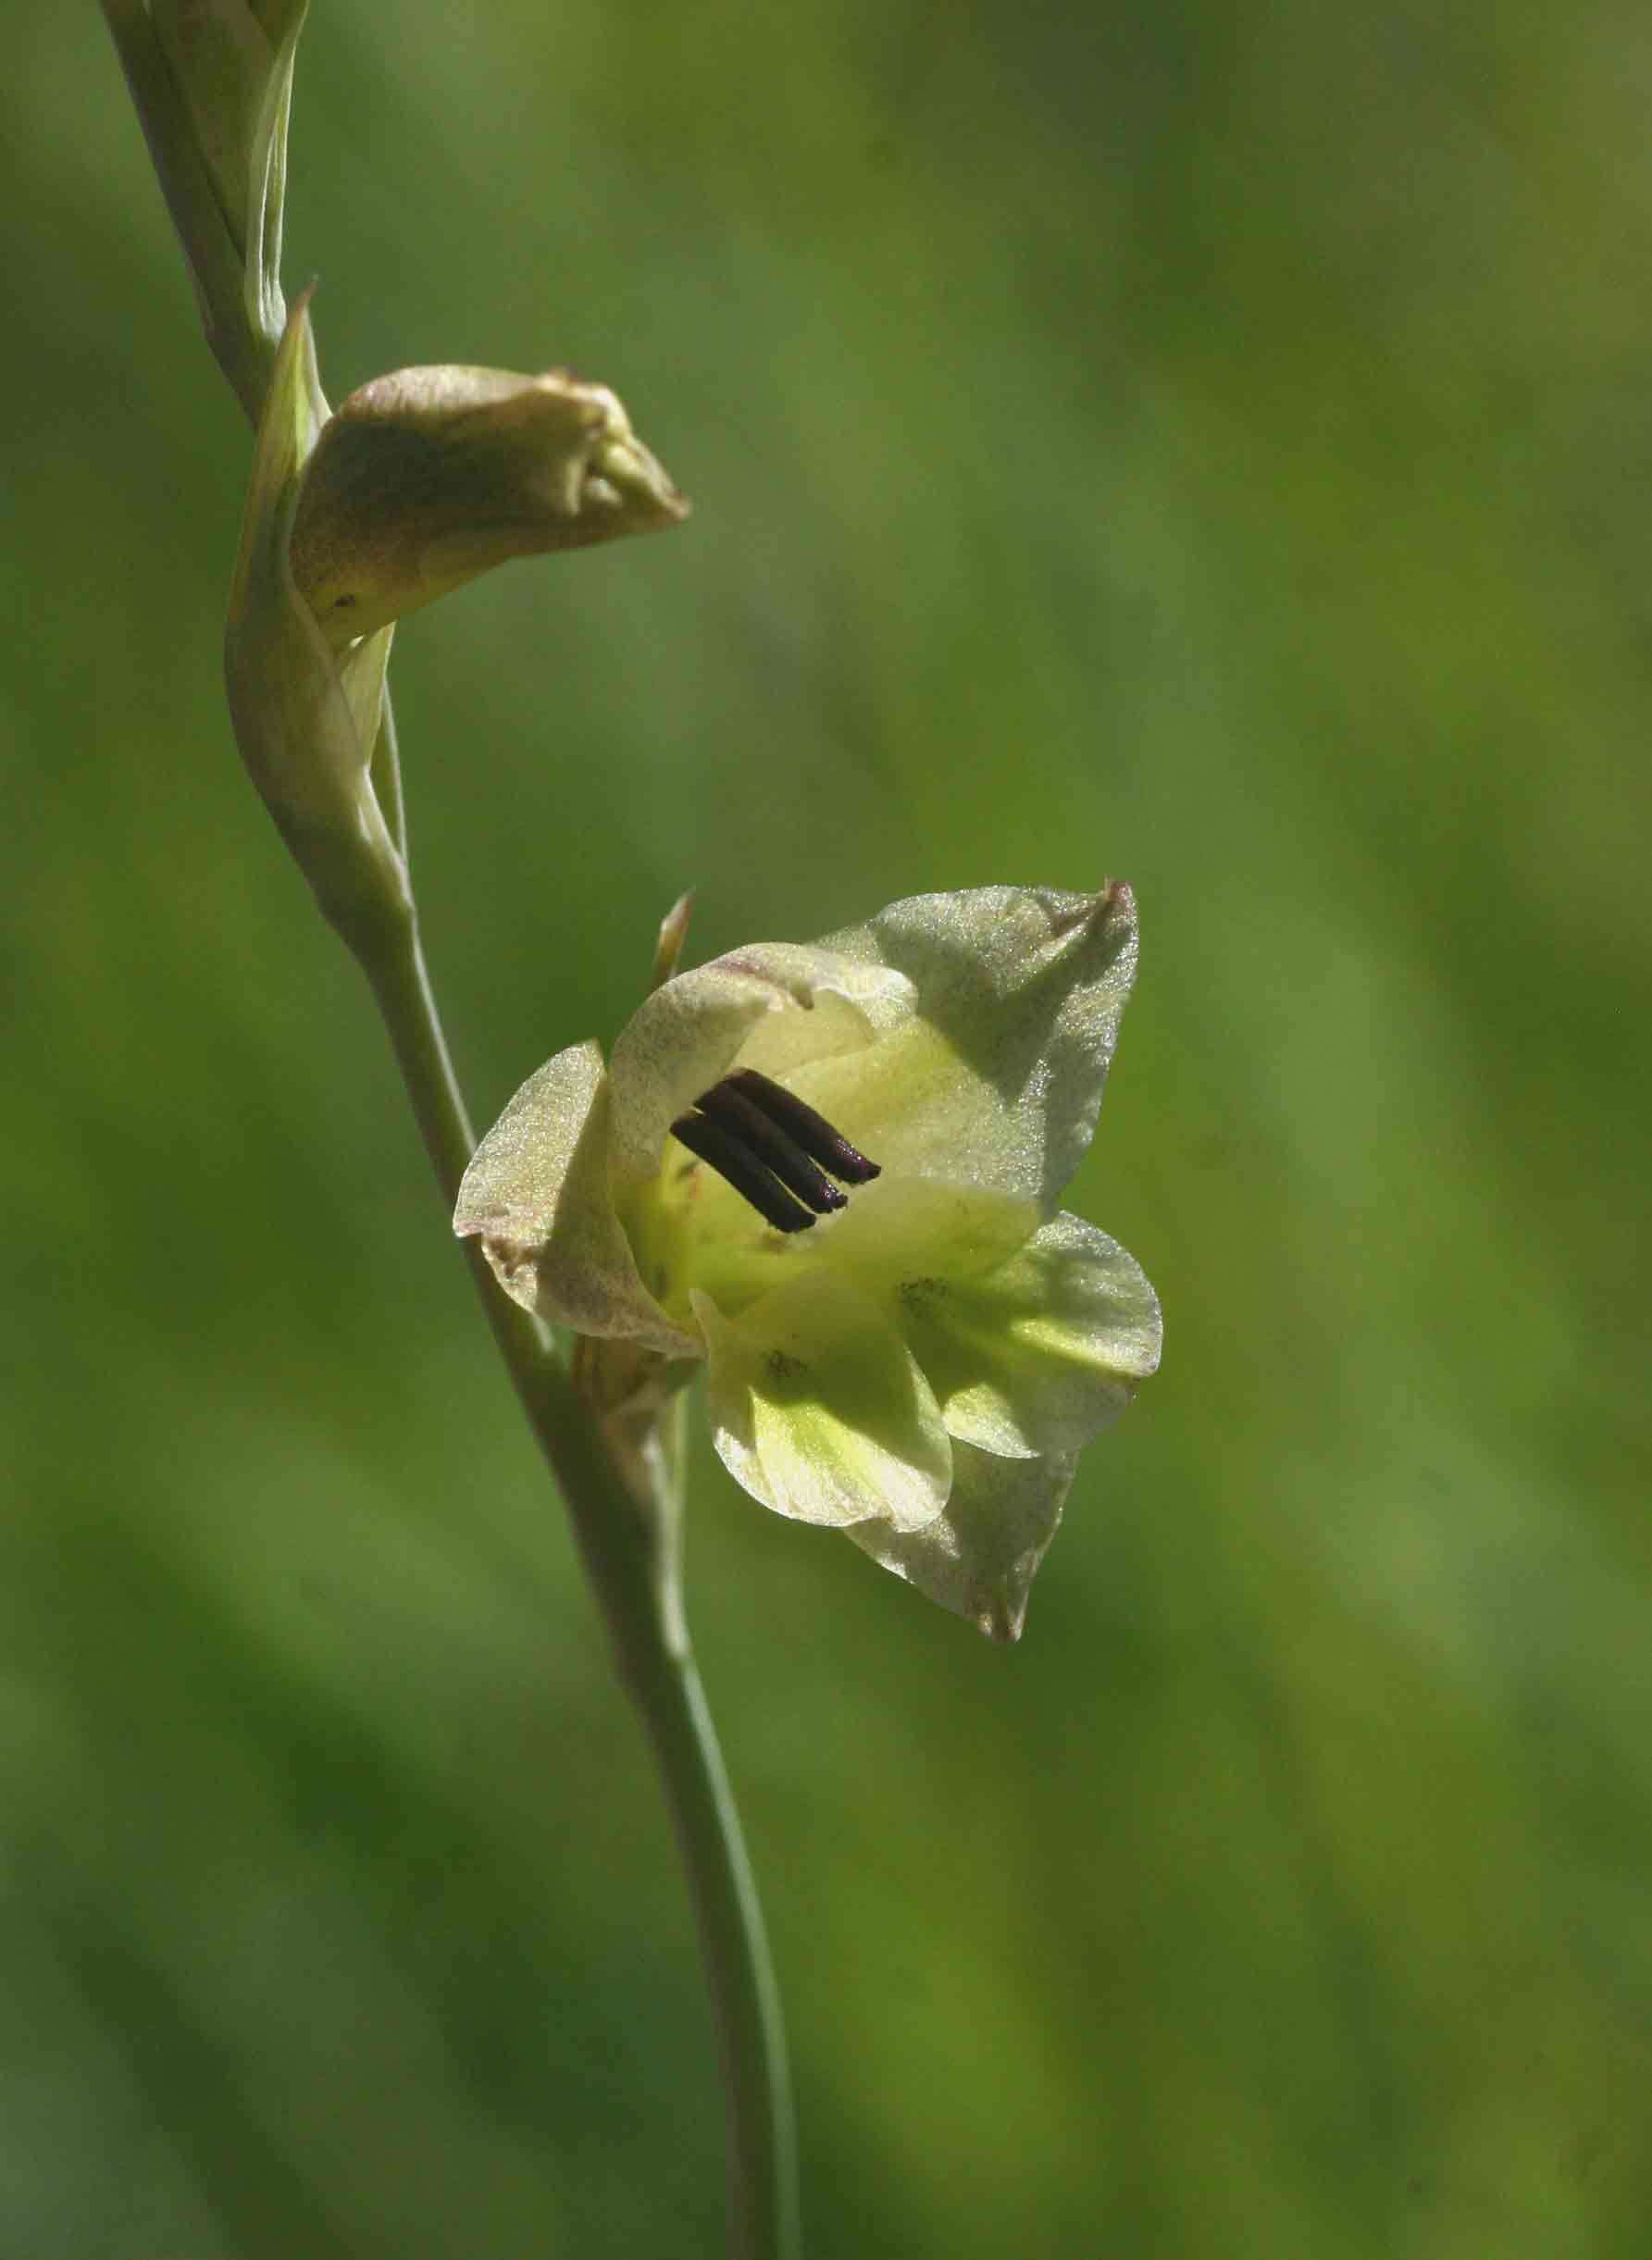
744,1170
782,1156
771,1148
811,1131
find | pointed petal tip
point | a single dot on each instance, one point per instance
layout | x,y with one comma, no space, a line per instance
1116,908
1114,903
1113,921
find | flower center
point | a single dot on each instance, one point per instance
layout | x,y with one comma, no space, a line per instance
773,1150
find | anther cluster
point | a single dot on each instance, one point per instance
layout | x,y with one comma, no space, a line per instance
773,1150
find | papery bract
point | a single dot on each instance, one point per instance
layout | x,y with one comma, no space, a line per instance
306,718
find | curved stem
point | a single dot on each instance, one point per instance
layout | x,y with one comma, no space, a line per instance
633,1560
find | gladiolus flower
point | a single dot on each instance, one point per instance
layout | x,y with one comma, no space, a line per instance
833,1172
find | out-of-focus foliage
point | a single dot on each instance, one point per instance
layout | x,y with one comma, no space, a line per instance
1202,445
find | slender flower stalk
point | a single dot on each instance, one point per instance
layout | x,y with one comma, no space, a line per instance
211,81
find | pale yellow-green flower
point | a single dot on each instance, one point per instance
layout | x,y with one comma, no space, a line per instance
913,1341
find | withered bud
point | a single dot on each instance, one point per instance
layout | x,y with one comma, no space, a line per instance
428,476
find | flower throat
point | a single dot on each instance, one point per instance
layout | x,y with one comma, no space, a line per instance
773,1150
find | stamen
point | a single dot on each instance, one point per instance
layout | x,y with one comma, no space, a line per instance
771,1148
810,1130
782,1156
743,1170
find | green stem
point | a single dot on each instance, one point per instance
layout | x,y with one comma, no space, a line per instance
633,1560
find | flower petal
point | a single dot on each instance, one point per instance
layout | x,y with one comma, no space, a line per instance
980,1558
906,1228
773,1006
537,1193
819,1410
998,1078
1042,1351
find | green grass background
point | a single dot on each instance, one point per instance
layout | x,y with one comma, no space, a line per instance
1207,445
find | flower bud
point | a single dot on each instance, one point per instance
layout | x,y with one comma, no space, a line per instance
212,81
428,476
232,63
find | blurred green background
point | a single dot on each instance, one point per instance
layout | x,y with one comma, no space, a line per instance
1209,445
